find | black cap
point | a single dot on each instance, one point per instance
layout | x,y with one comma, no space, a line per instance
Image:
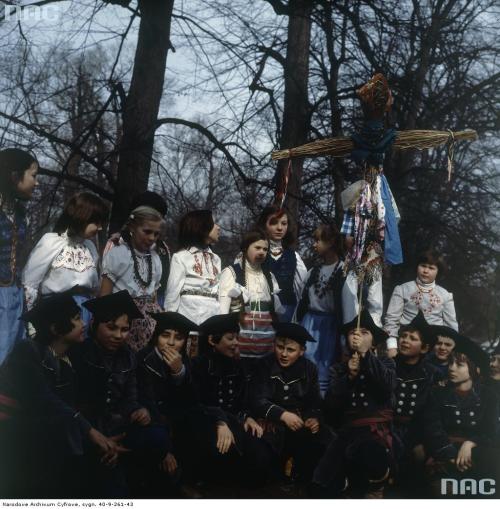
366,322
112,306
150,199
174,321
496,350
420,324
473,351
293,331
221,324
444,331
50,310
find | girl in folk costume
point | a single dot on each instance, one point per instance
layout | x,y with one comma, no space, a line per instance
193,283
67,259
422,294
155,201
18,171
320,308
136,267
283,261
247,285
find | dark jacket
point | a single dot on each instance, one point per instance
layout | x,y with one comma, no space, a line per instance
284,270
369,394
469,416
107,392
163,394
221,383
294,389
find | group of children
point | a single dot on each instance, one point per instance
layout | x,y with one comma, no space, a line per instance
138,372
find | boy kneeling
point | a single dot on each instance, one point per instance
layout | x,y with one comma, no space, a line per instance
287,398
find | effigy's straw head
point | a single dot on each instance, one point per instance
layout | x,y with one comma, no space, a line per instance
375,96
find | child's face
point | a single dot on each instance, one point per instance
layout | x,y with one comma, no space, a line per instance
26,186
427,272
145,235
321,246
458,371
227,346
77,333
214,234
170,338
287,351
276,227
257,252
495,367
444,347
411,345
113,334
91,230
360,340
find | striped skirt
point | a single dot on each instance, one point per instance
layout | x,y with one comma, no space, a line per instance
256,337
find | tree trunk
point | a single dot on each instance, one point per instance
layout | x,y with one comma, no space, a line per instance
142,105
296,121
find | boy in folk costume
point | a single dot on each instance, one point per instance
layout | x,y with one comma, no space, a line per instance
359,405
423,294
446,339
18,171
288,402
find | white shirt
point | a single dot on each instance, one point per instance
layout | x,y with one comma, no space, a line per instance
320,295
194,270
118,265
255,290
407,299
58,263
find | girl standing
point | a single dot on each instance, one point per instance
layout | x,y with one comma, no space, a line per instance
247,286
283,261
18,170
134,266
66,259
193,282
320,308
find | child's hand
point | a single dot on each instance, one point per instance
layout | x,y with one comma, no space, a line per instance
292,421
253,426
140,416
312,424
169,464
464,456
225,437
392,352
173,359
353,365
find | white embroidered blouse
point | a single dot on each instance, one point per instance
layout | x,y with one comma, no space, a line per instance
321,294
58,263
118,265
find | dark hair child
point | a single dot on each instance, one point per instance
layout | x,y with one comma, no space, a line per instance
359,404
43,437
18,171
422,294
461,420
67,259
229,437
193,282
108,397
320,307
438,357
287,399
283,261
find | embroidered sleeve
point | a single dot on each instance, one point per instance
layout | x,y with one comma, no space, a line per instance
449,315
394,313
39,263
175,283
227,283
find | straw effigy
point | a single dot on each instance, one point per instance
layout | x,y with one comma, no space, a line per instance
342,146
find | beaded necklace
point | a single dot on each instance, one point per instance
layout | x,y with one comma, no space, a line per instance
149,260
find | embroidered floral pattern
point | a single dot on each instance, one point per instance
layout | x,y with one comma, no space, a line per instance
211,270
75,257
427,302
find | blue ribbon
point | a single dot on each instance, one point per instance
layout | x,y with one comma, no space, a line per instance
393,254
372,142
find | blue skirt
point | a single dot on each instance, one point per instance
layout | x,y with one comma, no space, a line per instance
12,329
323,328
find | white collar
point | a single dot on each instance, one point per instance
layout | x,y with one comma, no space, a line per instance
425,286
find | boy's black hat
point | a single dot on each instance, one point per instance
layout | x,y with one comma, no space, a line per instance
446,332
379,334
50,310
174,321
420,324
150,199
221,324
113,305
496,350
473,351
293,331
